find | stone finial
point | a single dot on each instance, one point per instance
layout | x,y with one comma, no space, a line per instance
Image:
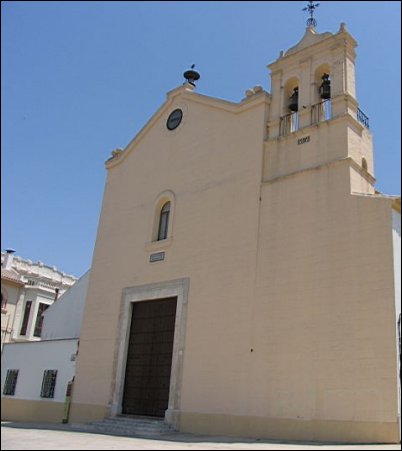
342,27
253,91
117,152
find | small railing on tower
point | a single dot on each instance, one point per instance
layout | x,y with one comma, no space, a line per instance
288,123
321,111
361,117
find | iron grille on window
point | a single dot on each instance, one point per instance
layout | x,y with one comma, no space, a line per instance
11,382
48,384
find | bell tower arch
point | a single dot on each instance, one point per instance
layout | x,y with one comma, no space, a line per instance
315,117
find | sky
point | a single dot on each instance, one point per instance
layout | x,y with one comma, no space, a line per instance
79,79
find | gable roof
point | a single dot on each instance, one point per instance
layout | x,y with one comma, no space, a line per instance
186,92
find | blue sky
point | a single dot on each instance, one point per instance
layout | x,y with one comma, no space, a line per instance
81,78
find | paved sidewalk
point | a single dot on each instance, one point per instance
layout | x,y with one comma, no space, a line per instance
35,436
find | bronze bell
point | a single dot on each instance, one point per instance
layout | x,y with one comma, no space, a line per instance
294,100
325,88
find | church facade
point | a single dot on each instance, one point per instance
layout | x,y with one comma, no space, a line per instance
246,276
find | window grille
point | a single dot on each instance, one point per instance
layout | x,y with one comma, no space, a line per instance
11,382
48,383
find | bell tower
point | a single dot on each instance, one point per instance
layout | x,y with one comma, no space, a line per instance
315,117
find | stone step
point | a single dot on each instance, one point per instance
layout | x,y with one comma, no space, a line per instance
127,426
136,429
134,422
130,423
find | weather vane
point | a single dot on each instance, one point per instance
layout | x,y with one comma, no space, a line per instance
311,22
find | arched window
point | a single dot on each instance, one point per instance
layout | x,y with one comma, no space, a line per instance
321,108
289,122
161,228
164,221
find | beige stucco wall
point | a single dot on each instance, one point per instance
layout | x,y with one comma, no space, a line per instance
291,287
212,163
323,310
29,410
289,429
289,328
315,353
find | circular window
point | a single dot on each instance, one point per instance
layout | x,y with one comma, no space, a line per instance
174,119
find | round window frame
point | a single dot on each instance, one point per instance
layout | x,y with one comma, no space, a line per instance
169,119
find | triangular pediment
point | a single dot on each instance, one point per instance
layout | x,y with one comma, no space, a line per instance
186,94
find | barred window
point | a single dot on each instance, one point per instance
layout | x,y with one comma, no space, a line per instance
48,384
11,382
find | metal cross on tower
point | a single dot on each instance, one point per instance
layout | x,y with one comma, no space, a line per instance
311,22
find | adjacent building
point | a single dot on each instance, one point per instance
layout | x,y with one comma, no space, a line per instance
27,290
37,376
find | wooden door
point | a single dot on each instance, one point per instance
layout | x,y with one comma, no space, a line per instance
149,358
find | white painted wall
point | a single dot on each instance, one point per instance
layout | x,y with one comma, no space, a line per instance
31,359
63,319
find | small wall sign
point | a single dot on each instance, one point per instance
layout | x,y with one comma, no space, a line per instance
157,257
304,140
